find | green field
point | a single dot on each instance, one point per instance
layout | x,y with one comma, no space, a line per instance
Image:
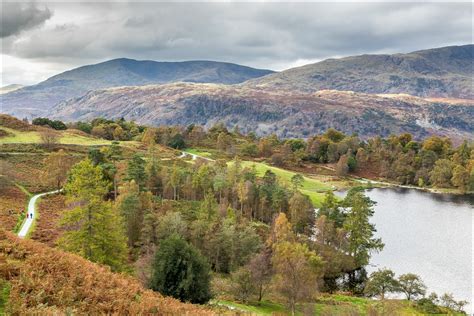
33,137
328,305
313,188
67,138
198,152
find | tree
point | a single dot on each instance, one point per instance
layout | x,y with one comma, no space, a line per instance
360,230
460,178
342,167
442,173
136,171
380,283
177,141
129,205
92,228
297,181
412,285
179,270
301,212
49,138
296,271
242,284
57,166
260,267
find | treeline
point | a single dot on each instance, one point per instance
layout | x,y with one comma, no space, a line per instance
172,223
430,162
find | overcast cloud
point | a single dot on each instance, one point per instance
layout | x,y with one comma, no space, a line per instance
41,39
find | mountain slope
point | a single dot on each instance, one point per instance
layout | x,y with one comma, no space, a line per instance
439,72
288,114
38,99
47,281
10,88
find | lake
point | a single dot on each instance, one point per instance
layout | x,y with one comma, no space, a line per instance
427,234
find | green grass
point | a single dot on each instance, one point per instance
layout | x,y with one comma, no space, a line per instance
313,188
262,308
328,305
67,138
198,152
4,295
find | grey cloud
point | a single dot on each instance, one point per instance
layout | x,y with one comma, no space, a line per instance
18,17
265,35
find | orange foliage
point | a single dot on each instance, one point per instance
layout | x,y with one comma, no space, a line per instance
48,281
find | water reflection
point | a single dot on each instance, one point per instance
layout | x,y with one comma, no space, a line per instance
428,234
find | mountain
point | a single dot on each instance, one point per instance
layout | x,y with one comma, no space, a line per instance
439,72
288,114
38,99
10,88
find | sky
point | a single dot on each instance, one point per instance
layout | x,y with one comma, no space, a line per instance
41,39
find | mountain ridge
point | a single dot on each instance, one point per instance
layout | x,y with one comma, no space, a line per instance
40,98
436,72
296,114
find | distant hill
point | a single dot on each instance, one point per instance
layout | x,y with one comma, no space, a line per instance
38,99
10,88
438,72
288,114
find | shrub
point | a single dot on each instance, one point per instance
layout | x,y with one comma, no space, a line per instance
179,270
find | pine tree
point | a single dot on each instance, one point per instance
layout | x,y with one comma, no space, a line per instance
93,229
136,171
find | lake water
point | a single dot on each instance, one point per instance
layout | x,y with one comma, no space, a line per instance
427,234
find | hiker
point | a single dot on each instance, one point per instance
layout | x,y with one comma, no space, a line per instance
26,215
31,215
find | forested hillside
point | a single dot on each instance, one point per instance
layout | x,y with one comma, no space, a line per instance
214,217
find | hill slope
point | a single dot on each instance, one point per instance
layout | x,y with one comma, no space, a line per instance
439,72
37,99
10,88
288,114
46,281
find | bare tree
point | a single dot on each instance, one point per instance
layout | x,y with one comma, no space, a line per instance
49,138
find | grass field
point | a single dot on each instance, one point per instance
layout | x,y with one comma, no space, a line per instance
198,152
328,305
313,188
33,137
4,294
66,138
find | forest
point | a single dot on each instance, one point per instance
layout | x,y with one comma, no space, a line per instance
216,228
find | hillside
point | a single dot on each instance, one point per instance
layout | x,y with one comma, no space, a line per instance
10,88
288,114
44,281
38,99
439,72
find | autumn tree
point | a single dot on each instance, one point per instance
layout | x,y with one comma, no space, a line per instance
460,178
57,165
296,271
49,138
92,228
380,283
442,173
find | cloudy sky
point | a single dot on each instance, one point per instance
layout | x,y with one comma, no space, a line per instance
40,39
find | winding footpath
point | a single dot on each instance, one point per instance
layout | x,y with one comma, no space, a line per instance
25,228
194,156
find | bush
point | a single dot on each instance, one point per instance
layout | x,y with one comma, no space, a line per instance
179,270
43,121
425,305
